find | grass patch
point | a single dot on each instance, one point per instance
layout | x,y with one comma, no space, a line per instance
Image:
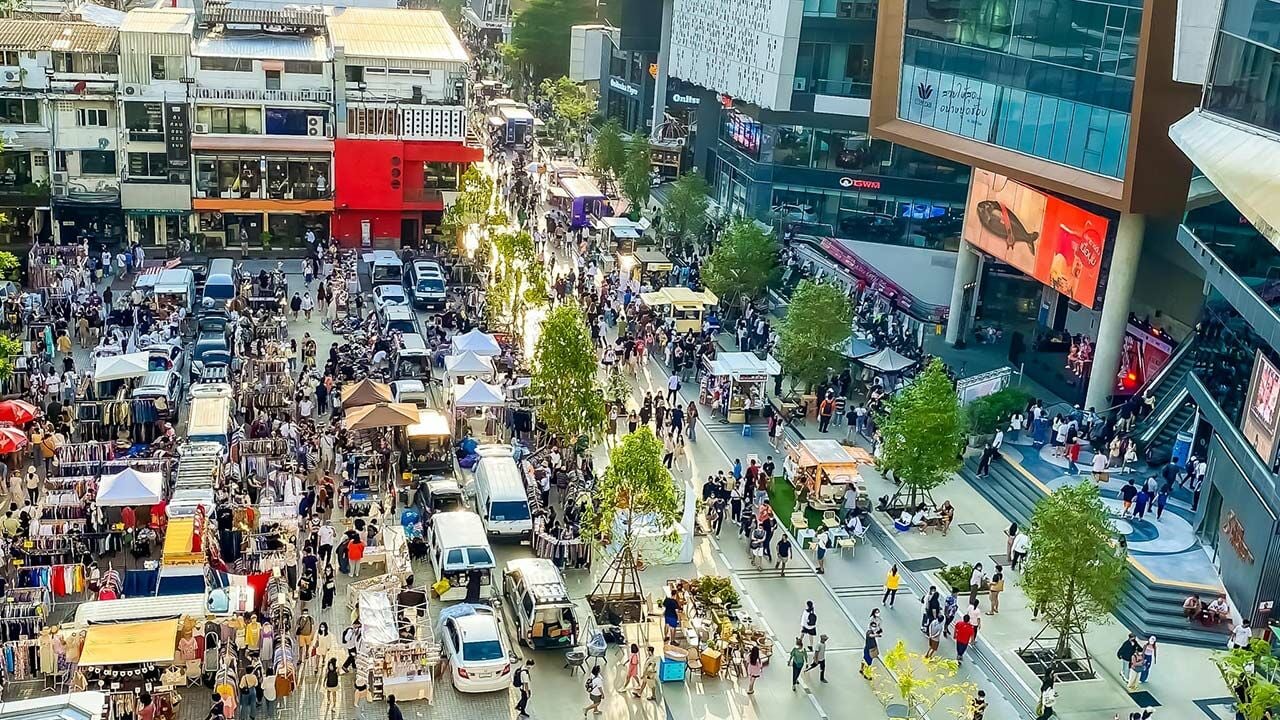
782,496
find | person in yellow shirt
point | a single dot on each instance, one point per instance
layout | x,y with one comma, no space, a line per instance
891,583
64,343
252,633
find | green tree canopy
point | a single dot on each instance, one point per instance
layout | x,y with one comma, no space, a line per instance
540,35
743,262
1074,570
637,171
686,210
471,207
564,376
635,484
609,154
1249,672
810,336
923,430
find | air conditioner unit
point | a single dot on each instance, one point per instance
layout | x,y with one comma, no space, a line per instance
201,128
59,190
801,84
315,126
132,90
10,75
177,178
680,142
59,178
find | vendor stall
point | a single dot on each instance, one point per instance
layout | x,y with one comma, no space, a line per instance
718,633
651,267
686,307
468,365
476,406
821,471
734,384
130,488
427,446
477,342
134,643
365,392
393,553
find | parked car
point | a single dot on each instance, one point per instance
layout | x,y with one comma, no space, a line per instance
386,295
475,647
859,225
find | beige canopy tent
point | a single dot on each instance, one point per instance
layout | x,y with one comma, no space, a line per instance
383,414
153,641
365,392
820,469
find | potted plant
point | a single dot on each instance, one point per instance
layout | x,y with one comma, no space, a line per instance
266,239
956,578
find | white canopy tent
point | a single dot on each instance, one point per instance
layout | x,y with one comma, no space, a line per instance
476,342
478,394
130,487
741,364
468,364
121,367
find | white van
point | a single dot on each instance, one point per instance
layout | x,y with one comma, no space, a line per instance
458,549
500,495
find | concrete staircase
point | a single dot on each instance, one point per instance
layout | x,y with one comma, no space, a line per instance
1147,607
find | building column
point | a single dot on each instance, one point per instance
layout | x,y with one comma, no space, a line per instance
664,60
1115,310
966,273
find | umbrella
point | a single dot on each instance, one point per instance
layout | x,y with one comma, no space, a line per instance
12,440
365,392
18,412
887,360
382,415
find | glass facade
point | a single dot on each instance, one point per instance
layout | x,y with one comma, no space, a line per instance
1244,83
1048,78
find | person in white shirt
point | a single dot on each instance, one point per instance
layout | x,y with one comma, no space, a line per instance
1241,635
998,440
1100,467
673,389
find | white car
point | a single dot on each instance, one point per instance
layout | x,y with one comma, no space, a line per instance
385,295
476,648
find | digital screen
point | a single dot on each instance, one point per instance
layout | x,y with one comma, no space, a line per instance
1262,408
1048,238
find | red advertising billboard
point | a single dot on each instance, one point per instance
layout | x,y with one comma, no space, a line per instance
1045,237
1261,422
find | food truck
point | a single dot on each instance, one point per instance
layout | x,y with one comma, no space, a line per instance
646,266
427,443
585,200
687,307
515,125
734,384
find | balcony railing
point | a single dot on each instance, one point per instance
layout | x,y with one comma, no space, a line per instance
23,190
319,95
146,135
423,195
294,192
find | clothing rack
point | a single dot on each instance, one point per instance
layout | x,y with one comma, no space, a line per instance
89,452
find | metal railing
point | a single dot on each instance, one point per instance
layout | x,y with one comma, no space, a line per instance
318,95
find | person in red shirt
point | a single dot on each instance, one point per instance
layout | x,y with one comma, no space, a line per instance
964,633
355,553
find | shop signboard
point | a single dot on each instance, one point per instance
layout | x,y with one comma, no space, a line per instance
623,86
953,103
1261,422
1048,238
177,135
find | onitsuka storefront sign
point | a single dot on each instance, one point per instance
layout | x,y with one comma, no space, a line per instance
624,87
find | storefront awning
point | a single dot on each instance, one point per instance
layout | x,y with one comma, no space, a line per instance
129,643
1241,162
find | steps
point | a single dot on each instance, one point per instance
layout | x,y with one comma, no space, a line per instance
1146,607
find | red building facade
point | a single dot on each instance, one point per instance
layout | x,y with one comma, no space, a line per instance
387,191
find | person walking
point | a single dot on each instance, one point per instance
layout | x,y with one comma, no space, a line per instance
976,579
978,705
331,695
964,633
871,643
820,544
649,676
892,582
809,623
819,658
784,554
826,409
755,668
1048,696
248,706
934,632
393,709
1125,655
521,682
595,691
633,670
798,658
1148,658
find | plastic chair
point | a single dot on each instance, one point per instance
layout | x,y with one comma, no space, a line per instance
799,521
829,519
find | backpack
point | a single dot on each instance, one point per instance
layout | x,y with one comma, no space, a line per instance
812,619
518,681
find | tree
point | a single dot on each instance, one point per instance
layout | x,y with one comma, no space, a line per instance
920,682
573,104
10,265
608,157
540,34
518,280
686,209
742,264
10,348
635,491
564,376
471,207
923,429
1250,673
810,336
637,172
1075,570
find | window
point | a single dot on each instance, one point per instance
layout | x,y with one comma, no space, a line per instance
91,117
97,162
273,79
218,64
148,165
166,67
85,63
355,73
398,71
60,160
9,57
230,120
304,67
14,111
375,71
439,176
